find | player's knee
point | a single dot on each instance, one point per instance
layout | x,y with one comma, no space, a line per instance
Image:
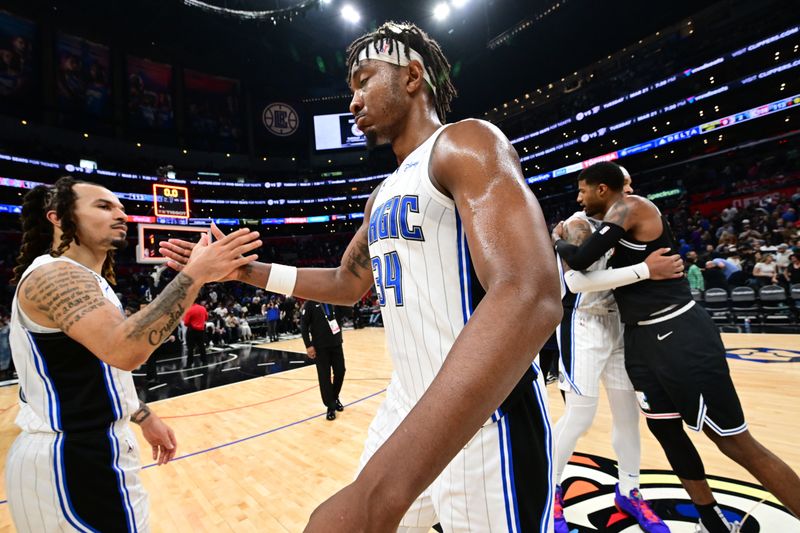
678,448
739,448
580,412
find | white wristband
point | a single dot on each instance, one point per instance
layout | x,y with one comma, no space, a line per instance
282,279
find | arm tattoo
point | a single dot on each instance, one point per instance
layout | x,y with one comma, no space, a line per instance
65,294
357,258
157,320
141,414
618,213
577,232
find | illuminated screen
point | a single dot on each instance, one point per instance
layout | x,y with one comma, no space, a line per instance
171,201
332,132
151,235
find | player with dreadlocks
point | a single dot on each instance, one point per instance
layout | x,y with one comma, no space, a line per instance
75,464
457,248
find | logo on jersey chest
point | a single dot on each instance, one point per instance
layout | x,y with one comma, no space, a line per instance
393,219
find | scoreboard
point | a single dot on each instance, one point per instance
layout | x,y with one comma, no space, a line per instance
152,235
170,201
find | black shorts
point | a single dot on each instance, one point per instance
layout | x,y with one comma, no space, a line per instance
679,370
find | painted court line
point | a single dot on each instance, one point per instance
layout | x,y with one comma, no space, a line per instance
269,431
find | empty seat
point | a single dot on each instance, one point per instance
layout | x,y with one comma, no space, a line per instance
794,295
716,303
744,305
774,305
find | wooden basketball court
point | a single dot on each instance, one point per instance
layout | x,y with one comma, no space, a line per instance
259,455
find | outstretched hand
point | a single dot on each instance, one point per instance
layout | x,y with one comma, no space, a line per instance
226,253
217,261
664,266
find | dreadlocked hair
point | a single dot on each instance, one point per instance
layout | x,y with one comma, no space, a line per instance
37,231
412,37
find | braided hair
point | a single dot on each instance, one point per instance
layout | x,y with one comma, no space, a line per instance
412,37
37,231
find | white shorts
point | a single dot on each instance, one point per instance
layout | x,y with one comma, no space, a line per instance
501,481
591,348
76,482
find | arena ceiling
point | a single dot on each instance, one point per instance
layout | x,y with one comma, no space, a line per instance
303,57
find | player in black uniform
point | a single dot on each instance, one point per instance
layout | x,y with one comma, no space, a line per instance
673,351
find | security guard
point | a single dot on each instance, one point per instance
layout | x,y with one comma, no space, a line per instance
322,335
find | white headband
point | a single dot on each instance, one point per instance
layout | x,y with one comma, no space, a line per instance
380,52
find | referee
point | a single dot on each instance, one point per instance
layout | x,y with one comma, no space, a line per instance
322,335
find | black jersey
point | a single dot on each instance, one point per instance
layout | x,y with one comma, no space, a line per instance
647,299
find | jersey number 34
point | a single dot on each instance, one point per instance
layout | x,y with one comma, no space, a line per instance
388,275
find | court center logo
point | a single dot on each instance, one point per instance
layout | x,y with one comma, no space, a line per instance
765,355
588,491
280,119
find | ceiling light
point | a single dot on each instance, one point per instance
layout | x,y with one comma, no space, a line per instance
350,14
441,11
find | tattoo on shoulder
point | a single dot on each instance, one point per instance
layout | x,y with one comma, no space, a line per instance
618,213
356,259
65,294
171,304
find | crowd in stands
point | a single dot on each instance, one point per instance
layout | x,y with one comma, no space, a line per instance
238,312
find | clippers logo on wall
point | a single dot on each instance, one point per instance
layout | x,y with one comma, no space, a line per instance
589,501
280,119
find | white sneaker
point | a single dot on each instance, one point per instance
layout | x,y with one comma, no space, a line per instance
736,527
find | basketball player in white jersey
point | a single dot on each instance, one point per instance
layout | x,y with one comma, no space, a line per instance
75,465
591,349
457,247
673,351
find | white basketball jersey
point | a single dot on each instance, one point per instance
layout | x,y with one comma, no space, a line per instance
598,301
63,387
426,286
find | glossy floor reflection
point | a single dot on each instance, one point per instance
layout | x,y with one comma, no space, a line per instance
237,362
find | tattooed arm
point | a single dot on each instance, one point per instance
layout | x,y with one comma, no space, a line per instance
343,285
68,297
576,231
617,220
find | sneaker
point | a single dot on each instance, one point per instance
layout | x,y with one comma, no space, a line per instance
339,406
635,506
736,527
559,522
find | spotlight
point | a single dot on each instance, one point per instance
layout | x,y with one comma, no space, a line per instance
441,11
350,14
